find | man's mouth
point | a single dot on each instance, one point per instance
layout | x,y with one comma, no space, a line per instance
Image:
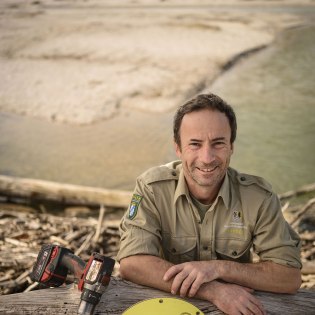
206,170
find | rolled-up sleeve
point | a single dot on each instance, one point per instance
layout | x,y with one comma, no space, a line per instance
274,239
140,230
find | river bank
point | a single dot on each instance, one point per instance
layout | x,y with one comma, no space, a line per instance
87,94
80,62
24,228
88,88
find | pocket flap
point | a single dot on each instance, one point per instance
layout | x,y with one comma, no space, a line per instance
233,249
181,245
180,249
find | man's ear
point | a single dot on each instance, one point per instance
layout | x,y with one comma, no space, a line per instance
177,150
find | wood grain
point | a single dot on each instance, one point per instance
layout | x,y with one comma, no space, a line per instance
122,294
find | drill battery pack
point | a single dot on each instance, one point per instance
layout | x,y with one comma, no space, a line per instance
48,268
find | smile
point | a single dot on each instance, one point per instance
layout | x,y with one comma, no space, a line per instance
206,170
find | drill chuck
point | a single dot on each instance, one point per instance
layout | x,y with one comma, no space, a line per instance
94,282
89,299
86,308
54,262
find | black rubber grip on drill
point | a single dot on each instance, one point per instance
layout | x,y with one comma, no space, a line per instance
90,296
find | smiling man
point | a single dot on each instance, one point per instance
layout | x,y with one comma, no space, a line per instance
193,224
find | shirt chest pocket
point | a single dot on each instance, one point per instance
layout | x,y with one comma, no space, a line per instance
179,249
233,249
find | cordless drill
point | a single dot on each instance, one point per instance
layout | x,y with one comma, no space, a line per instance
54,262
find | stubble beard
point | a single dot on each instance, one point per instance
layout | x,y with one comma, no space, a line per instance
207,175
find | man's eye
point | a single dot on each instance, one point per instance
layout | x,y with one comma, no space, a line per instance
219,144
195,144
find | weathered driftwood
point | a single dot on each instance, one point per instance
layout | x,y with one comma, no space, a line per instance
308,267
23,230
122,294
65,193
22,235
295,221
292,193
76,194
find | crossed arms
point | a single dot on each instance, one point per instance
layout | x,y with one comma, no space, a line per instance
228,285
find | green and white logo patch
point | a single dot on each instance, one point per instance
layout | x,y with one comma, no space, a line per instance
134,205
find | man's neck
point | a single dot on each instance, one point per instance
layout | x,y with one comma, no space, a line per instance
204,194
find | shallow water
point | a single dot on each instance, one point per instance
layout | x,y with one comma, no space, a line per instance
273,95
109,154
274,98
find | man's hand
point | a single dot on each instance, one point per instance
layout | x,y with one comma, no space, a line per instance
233,299
230,298
190,276
264,276
198,276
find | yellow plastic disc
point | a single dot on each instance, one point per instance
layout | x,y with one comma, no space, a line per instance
163,306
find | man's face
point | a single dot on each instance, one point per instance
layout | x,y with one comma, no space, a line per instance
205,148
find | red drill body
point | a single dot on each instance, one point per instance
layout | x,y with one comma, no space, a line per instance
54,262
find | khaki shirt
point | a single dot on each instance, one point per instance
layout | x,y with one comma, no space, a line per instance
163,221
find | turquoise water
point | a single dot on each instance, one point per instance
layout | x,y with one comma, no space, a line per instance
274,97
273,94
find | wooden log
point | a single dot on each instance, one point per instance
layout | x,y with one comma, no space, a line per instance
303,190
295,221
65,193
307,236
122,294
308,267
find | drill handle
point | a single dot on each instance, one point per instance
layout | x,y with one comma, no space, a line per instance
53,264
74,264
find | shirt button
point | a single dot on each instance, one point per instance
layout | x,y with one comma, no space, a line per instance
173,250
174,173
243,178
205,248
234,253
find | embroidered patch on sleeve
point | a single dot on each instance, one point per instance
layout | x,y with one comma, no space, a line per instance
134,205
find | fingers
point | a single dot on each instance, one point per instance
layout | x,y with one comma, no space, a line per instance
195,286
248,289
185,284
185,280
237,300
252,309
171,272
256,306
251,305
176,272
182,281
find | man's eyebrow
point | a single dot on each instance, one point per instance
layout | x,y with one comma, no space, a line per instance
212,140
219,139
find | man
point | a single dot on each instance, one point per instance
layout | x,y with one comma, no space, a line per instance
192,223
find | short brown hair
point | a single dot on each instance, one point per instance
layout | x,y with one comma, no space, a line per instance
204,101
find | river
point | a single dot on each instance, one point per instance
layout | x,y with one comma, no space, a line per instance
273,95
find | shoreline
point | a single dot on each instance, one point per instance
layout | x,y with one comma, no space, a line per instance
230,64
297,207
88,98
154,63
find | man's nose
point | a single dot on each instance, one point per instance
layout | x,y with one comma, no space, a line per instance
206,155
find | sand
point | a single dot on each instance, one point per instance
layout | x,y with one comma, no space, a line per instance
79,62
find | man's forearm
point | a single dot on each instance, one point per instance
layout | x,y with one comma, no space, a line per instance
149,271
146,270
264,276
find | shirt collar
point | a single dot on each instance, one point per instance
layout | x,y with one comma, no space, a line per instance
224,191
182,189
